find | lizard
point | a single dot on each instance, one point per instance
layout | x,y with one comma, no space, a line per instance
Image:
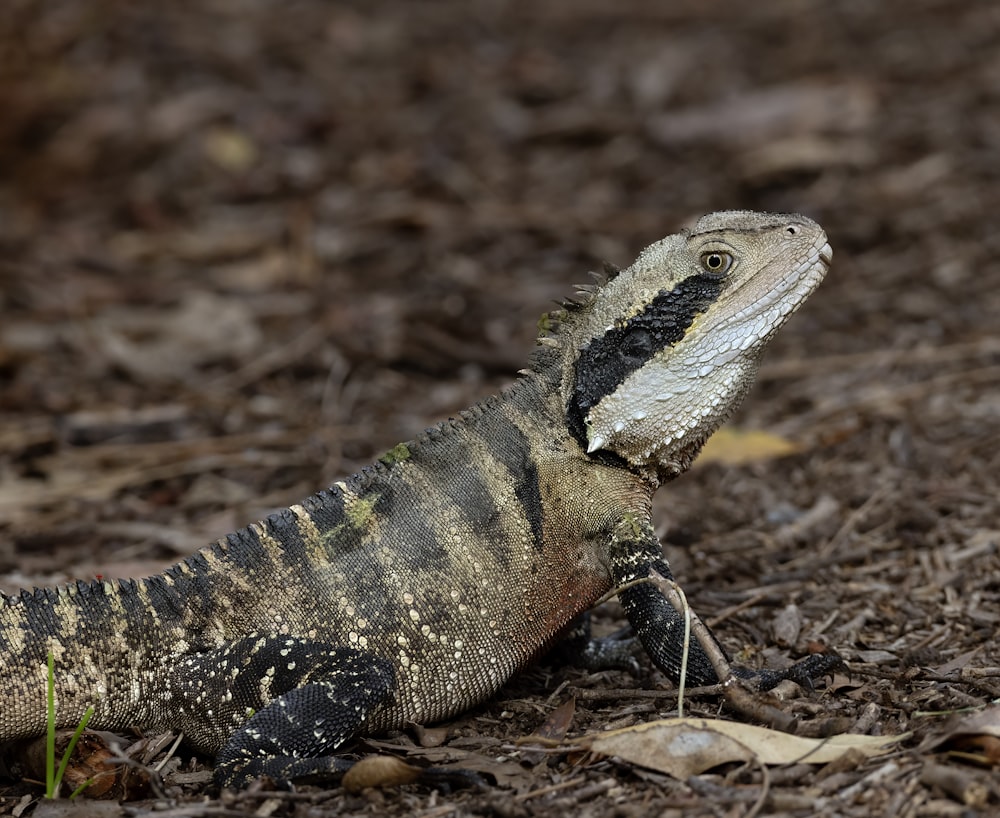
416,588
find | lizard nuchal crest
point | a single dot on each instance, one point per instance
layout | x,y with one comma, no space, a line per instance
415,589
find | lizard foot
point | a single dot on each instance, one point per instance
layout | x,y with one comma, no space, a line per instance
803,673
293,703
615,652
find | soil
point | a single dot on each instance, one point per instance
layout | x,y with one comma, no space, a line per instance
247,247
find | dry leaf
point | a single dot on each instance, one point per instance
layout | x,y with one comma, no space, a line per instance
77,808
379,771
958,783
169,345
208,327
685,747
230,149
553,730
505,773
558,722
93,760
679,750
959,662
735,447
430,736
770,113
787,625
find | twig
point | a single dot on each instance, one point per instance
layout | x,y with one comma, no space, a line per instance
853,518
601,694
271,361
732,610
686,649
562,785
170,753
618,589
738,697
765,791
963,786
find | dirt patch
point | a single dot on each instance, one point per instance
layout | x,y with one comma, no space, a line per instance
245,248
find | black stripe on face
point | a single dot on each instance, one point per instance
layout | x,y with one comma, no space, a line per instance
605,363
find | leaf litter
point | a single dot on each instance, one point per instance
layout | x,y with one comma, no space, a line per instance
375,201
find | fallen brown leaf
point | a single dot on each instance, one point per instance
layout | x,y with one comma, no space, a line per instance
685,747
554,729
558,722
735,447
379,771
93,761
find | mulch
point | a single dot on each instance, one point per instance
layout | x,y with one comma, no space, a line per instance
247,247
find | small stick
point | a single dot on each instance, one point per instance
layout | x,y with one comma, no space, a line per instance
736,695
956,783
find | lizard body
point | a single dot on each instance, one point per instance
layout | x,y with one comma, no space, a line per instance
414,589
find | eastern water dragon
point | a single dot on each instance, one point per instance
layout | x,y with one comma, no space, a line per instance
414,589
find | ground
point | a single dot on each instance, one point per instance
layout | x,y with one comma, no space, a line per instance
247,247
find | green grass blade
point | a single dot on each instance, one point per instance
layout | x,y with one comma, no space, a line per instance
50,734
81,788
53,777
72,746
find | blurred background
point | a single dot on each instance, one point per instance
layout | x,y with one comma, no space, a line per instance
247,246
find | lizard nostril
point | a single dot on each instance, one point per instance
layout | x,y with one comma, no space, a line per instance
792,230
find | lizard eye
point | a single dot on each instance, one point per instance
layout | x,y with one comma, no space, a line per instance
716,262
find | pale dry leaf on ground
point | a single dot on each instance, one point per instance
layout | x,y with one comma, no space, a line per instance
735,447
170,346
503,771
774,112
685,747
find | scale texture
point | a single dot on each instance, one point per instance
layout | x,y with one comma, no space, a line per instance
413,590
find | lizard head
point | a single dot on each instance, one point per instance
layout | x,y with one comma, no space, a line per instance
656,359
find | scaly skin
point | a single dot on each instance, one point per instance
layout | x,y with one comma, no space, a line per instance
413,590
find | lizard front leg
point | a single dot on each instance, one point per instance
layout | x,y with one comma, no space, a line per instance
633,551
278,706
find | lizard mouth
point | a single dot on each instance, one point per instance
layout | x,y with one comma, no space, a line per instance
769,300
826,255
801,281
